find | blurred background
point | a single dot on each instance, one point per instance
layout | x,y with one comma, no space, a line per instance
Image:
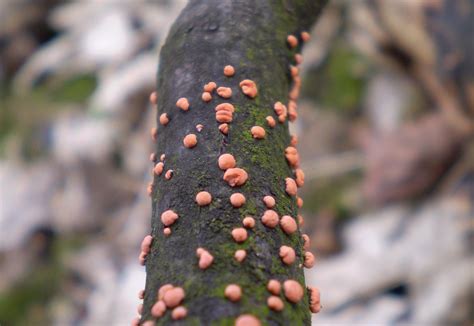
385,130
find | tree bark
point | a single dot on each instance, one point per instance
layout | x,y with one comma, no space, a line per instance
250,35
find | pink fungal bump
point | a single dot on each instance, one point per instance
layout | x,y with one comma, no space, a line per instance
306,241
154,133
224,92
274,287
205,258
183,104
237,200
240,255
190,141
142,258
158,309
169,174
300,220
141,294
164,119
179,313
291,188
292,113
162,157
173,297
247,320
146,244
292,41
163,289
166,231
158,169
293,291
249,88
206,96
292,156
288,224
149,189
210,87
239,235
270,218
294,140
314,299
233,292
269,201
153,98
152,157
309,260
287,255
305,36
257,132
224,128
235,177
199,127
298,58
248,222
169,217
224,112
299,202
275,303
270,121
281,111
226,161
294,71
203,198
229,71
299,177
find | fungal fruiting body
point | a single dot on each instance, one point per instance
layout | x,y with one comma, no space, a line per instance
248,222
299,177
229,71
300,220
206,96
164,119
239,234
270,218
233,292
226,161
158,169
224,92
287,255
309,259
166,231
247,320
235,176
183,104
190,141
169,174
314,299
224,112
275,303
293,291
146,244
269,201
274,287
299,202
163,289
149,189
298,58
306,241
158,309
162,157
153,98
169,217
173,297
288,224
292,41
270,121
205,258
294,140
237,200
203,198
281,111
292,112
257,132
292,156
199,127
154,133
179,313
240,255
210,87
224,128
153,157
249,88
305,36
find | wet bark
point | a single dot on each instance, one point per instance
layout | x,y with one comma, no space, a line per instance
251,36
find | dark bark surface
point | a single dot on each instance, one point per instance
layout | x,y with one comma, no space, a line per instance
208,35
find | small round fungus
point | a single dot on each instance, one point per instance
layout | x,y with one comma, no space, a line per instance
199,127
203,198
300,220
162,157
309,259
154,133
299,177
153,98
288,224
209,87
235,177
146,244
166,231
206,96
173,297
239,234
270,218
237,200
169,174
168,217
269,201
305,36
163,289
274,287
158,309
299,202
229,71
257,132
164,119
294,71
183,104
298,58
306,241
247,320
314,299
152,157
292,41
233,292
294,140
224,128
248,222
249,88
240,255
287,255
224,92
190,141
205,259
179,313
158,169
270,121
149,189
226,161
293,291
275,303
290,186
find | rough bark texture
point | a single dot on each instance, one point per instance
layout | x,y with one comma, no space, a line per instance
208,35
